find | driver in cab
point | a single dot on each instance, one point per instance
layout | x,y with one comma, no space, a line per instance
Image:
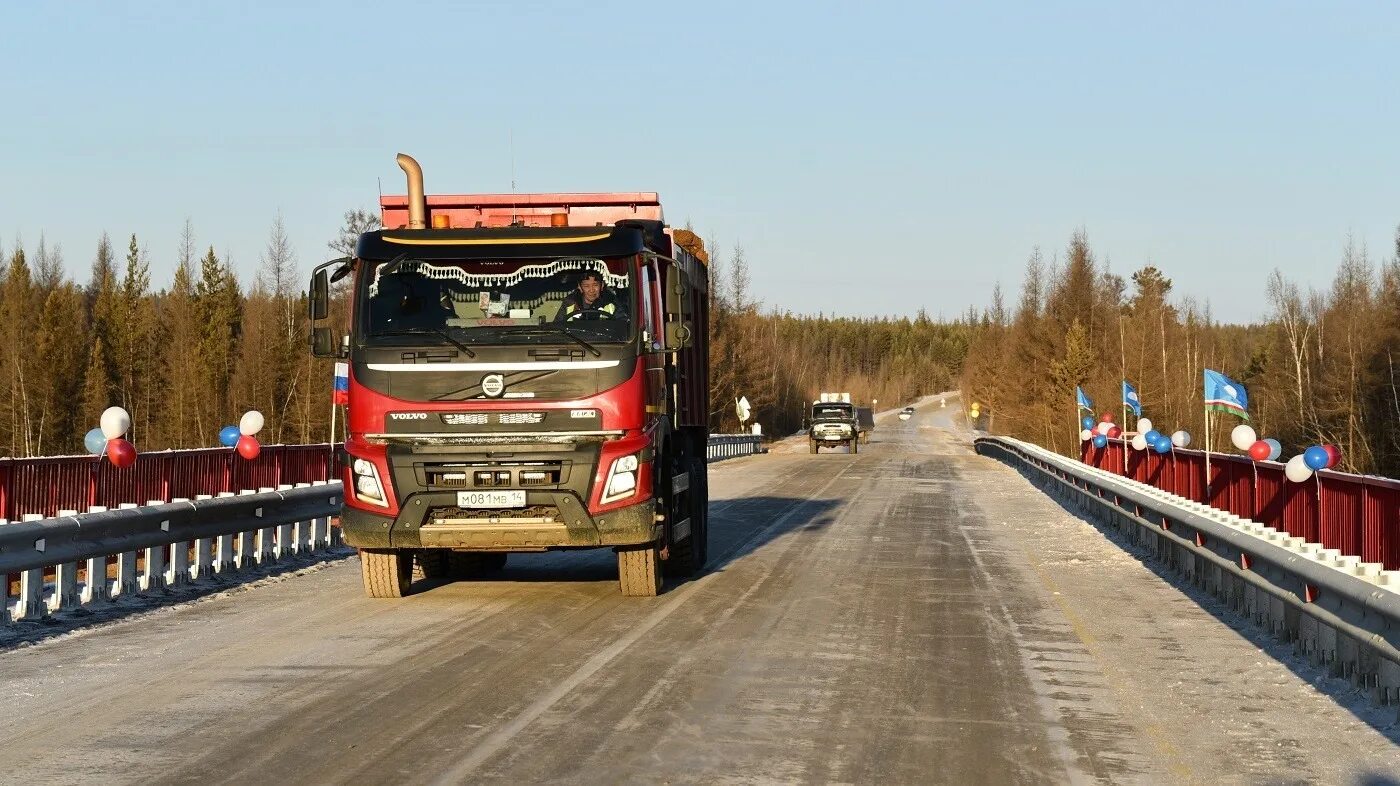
592,300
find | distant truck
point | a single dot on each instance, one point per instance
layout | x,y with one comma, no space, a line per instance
865,422
833,422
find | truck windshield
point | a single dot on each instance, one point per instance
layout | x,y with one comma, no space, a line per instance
499,300
831,412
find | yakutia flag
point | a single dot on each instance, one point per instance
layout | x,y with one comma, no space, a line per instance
1130,399
1223,394
341,392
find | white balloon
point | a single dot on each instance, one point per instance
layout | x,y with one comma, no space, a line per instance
251,423
1297,470
115,422
1103,428
1144,425
1243,437
1086,435
1139,442
1181,439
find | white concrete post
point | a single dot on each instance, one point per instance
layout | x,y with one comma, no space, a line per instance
179,572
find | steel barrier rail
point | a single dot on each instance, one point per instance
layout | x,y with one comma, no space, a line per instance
1358,514
724,446
1341,613
222,534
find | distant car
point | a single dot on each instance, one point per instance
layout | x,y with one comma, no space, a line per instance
906,413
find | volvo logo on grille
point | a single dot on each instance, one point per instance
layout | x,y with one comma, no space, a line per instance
493,385
408,415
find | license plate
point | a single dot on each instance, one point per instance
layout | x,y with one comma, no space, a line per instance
514,498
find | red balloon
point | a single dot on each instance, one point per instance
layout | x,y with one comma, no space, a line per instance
1260,450
121,452
1334,455
248,447
1115,433
1106,417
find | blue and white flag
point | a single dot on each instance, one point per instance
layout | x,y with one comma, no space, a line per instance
1082,400
1223,394
1130,399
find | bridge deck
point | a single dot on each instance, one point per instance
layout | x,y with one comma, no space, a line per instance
910,614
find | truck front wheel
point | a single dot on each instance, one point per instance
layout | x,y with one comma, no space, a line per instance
855,444
812,445
386,572
639,570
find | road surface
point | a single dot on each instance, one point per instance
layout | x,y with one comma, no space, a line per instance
911,614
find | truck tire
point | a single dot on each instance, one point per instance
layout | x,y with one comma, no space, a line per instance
639,570
812,445
687,557
430,564
855,445
386,572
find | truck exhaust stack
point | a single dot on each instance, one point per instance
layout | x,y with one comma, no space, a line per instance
417,203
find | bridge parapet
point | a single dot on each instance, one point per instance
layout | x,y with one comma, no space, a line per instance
1341,613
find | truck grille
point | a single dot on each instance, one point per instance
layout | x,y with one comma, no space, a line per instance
496,475
534,514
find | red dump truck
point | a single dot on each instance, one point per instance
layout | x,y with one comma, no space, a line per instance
527,372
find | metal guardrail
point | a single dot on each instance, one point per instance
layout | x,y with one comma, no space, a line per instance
68,561
1340,613
724,446
1353,513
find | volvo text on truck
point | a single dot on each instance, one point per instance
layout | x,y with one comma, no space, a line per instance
527,372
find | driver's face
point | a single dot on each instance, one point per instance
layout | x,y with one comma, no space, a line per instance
591,288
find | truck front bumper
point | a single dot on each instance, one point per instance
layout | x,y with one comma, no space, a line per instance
551,519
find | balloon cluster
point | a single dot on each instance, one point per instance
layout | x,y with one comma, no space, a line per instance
1244,438
241,437
1302,466
1101,432
1147,436
110,437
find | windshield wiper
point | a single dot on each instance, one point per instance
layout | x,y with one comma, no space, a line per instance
547,330
429,330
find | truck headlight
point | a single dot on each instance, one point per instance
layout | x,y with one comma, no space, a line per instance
622,479
367,485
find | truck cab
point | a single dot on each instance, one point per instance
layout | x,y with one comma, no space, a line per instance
832,421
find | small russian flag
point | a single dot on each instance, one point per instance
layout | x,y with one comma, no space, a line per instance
341,391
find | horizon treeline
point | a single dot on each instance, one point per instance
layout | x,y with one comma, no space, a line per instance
188,359
1320,369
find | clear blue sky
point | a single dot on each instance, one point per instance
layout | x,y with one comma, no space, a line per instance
870,158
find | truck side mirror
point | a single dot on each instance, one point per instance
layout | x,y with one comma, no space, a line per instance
319,304
322,342
677,293
679,335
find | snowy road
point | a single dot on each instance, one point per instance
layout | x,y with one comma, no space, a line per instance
910,614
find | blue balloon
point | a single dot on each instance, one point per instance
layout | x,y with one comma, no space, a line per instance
1275,449
1163,444
1315,457
228,436
1100,441
94,441
1152,436
1087,422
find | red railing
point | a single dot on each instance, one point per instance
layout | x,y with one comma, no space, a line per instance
48,485
1358,515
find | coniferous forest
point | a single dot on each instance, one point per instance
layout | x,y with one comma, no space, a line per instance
188,357
1322,368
